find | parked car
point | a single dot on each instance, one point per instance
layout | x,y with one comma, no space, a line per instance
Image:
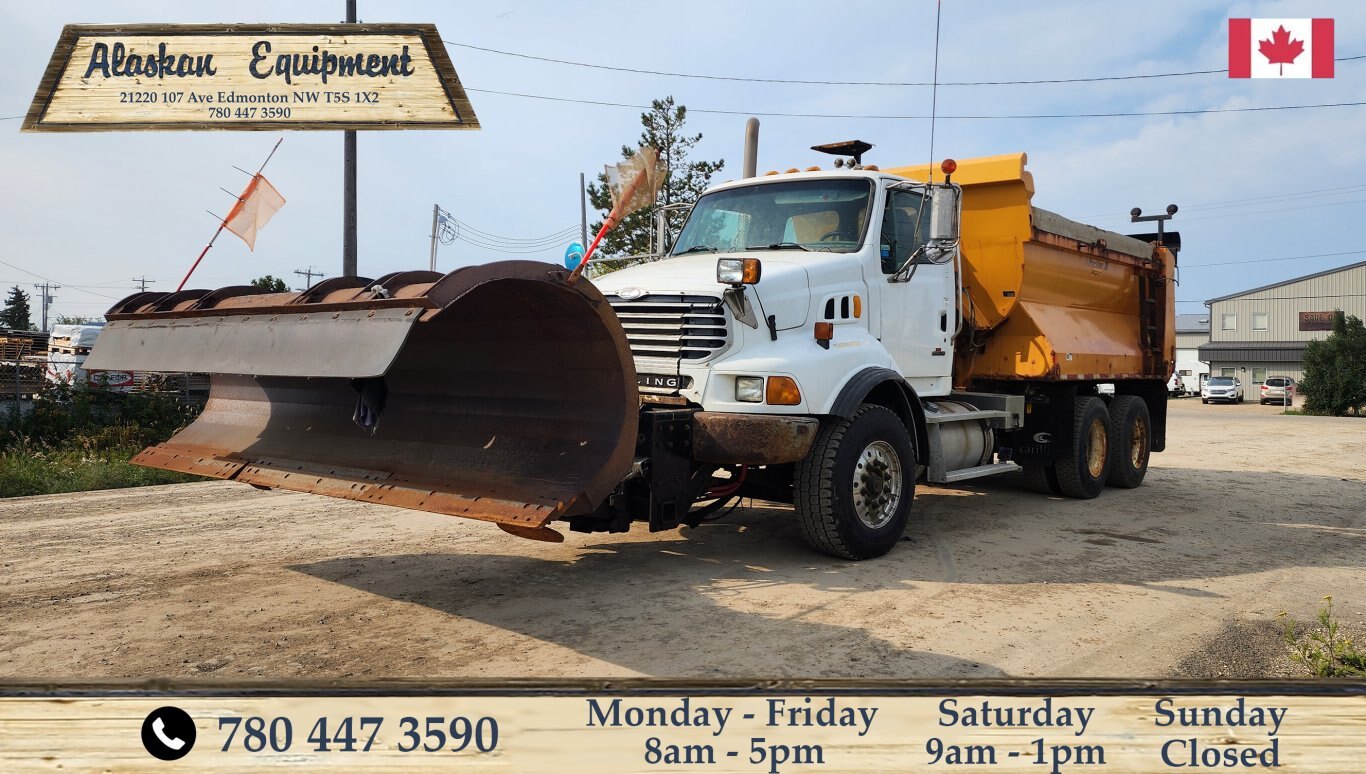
1278,389
1225,388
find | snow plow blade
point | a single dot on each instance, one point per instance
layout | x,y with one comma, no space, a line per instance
495,392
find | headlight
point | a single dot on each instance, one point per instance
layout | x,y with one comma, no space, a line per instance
749,389
738,271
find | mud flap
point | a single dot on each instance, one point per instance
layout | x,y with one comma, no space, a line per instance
503,394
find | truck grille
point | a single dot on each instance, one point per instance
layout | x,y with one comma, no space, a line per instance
677,328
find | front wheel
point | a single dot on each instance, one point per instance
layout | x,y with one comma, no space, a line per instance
853,491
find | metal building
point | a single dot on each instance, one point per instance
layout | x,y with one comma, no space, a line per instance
1262,332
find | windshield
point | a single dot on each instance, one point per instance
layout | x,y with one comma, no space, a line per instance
830,215
1220,381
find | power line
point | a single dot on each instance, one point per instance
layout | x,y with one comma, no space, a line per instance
1226,203
700,76
516,241
49,279
1297,298
1268,260
1017,116
1276,211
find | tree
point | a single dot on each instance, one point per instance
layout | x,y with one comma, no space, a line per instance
67,319
683,182
16,315
1335,370
271,284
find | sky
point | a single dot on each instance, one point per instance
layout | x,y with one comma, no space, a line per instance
1265,195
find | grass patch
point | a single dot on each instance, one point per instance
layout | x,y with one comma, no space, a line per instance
77,439
56,472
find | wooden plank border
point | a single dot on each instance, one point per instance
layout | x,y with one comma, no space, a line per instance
676,687
71,33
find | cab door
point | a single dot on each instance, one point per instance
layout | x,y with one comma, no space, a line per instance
918,315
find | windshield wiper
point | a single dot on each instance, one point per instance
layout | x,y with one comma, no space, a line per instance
698,249
780,246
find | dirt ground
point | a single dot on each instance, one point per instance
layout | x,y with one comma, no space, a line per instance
1247,514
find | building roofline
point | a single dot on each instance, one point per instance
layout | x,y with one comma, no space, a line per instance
1287,282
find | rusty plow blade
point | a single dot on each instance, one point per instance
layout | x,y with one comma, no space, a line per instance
496,392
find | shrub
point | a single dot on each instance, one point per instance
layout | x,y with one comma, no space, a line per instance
77,439
1335,370
1325,651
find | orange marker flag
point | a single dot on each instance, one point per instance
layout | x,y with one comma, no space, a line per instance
253,210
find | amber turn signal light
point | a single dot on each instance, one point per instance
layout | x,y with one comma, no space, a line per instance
782,391
825,331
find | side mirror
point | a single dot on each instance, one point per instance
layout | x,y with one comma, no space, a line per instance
944,213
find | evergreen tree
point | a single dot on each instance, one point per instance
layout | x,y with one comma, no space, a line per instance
16,315
271,284
1335,370
683,181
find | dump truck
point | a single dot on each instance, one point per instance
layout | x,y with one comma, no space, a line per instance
825,338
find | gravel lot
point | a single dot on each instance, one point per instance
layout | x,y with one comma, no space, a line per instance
1248,513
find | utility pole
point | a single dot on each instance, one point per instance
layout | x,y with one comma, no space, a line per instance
349,268
45,295
308,275
436,216
583,212
143,282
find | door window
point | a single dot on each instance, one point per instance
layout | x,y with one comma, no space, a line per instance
905,228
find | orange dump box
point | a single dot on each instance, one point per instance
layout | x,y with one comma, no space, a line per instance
1049,298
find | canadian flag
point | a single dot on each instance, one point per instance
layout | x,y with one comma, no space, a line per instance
1280,48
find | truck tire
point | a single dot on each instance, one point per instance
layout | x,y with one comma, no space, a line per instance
1042,479
1130,441
1083,468
853,491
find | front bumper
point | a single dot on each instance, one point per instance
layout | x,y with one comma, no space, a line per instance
751,439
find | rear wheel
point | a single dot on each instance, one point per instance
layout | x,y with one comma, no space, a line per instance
1086,464
853,491
1130,441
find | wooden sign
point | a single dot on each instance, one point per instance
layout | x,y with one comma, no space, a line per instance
249,77
1318,321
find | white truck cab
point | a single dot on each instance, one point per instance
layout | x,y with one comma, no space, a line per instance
830,255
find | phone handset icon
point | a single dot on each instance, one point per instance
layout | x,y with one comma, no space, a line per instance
159,728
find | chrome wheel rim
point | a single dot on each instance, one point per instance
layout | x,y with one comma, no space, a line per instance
877,484
1096,448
